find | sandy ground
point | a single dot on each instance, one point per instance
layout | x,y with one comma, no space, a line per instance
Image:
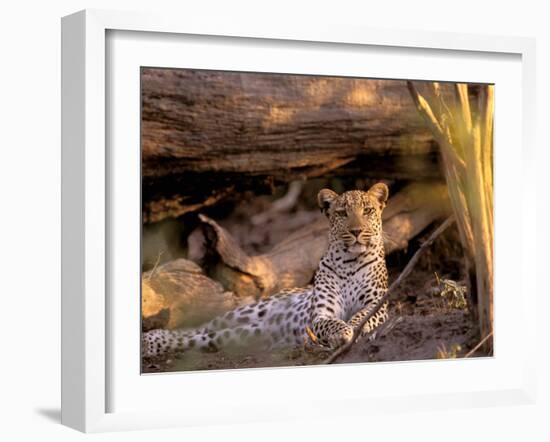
428,329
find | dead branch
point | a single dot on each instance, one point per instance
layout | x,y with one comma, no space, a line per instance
284,204
478,346
406,271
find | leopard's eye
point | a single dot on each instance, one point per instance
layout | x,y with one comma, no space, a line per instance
368,211
341,212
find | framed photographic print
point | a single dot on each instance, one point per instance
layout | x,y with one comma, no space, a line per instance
250,214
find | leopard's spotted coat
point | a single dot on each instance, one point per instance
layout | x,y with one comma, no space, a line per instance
351,277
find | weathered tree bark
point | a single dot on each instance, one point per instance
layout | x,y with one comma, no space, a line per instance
208,134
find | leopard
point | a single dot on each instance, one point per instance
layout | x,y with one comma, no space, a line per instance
347,286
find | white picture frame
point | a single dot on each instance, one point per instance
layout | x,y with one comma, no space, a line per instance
87,210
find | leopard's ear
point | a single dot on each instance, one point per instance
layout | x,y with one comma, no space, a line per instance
325,197
380,191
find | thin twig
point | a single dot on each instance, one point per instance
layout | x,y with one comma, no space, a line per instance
473,350
406,271
156,265
385,328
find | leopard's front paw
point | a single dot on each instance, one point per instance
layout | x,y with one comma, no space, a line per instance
340,337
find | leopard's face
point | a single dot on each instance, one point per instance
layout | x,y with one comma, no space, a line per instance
355,217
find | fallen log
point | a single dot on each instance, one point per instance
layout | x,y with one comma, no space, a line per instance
207,135
179,294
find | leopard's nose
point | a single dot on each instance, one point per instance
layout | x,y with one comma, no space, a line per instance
355,231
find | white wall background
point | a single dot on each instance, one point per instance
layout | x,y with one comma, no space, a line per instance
30,215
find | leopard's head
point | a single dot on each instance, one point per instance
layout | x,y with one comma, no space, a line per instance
355,217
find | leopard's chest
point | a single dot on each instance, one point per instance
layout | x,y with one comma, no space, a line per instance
358,291
354,283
